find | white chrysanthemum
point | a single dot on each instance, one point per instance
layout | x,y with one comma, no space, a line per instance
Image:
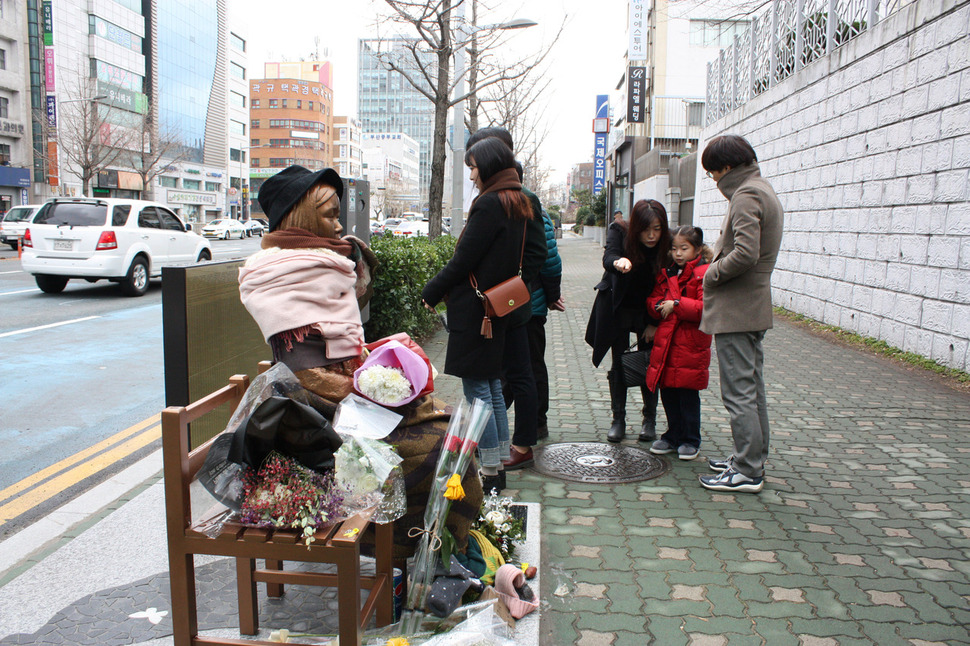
495,517
384,385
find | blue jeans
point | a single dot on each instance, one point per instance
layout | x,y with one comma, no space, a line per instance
494,445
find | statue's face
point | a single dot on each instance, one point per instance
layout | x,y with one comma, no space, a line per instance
326,206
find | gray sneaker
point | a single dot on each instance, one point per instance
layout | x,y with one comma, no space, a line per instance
660,447
719,465
732,480
687,452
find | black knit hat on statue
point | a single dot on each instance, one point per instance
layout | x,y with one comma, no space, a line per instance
282,191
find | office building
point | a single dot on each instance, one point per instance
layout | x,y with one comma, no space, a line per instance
291,120
347,151
237,189
387,103
15,122
659,114
133,67
392,166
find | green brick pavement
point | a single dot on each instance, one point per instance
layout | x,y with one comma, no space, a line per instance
861,535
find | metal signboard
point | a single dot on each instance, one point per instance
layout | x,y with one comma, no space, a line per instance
48,10
51,111
636,94
638,30
599,145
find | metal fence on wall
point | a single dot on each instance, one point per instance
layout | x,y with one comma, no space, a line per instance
783,39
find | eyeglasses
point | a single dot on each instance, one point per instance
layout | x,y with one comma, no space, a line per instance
709,174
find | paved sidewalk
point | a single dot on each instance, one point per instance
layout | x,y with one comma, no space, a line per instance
861,535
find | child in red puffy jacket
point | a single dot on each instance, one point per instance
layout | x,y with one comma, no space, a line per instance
681,353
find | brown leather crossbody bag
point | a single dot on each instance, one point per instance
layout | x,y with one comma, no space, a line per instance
504,298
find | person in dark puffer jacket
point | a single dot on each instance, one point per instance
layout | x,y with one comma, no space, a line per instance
681,355
546,295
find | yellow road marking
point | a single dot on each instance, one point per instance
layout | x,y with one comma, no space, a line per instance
43,474
87,468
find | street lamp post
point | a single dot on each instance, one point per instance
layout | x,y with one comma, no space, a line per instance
458,130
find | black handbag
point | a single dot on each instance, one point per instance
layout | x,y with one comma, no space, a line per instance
633,365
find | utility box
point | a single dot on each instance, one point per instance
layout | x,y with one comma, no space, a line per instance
355,208
355,218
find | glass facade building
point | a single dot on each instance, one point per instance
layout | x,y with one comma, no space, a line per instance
387,102
188,52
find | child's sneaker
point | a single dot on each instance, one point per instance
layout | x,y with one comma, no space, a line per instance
661,447
719,465
732,480
687,452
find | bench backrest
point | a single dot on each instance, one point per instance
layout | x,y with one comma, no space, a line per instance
180,464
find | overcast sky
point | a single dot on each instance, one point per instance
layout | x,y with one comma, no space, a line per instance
588,59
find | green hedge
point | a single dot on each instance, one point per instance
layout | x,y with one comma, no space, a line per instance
407,264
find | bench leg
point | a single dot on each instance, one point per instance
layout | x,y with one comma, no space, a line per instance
246,592
274,590
348,598
185,621
383,544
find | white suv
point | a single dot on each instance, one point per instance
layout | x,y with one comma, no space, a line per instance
14,222
125,241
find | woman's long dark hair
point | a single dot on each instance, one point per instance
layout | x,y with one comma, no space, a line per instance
645,213
492,156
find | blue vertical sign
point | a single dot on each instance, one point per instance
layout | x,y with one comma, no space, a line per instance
599,142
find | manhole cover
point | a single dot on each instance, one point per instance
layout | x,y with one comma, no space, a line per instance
597,462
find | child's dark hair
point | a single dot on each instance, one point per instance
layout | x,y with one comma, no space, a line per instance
645,213
693,235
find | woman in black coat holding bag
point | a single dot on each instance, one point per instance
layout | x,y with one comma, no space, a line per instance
489,247
632,258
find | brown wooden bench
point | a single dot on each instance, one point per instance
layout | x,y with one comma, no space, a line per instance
338,545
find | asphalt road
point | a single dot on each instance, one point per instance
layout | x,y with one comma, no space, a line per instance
76,369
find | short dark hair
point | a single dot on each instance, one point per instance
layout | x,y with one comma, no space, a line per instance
492,131
727,150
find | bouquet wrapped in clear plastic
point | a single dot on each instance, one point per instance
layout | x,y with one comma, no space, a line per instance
435,544
282,464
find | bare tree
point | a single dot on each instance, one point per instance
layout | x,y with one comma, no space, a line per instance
89,139
519,108
424,58
155,147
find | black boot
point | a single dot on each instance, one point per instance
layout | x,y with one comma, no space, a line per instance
648,431
617,430
618,405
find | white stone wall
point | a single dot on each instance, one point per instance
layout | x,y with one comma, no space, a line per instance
869,151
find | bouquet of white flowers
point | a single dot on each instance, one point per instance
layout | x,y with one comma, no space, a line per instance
500,526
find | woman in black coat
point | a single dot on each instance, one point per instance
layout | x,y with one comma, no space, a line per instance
632,258
489,248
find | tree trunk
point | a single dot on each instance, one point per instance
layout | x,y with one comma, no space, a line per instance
442,100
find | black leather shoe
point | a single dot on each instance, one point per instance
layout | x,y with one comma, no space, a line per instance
648,432
617,431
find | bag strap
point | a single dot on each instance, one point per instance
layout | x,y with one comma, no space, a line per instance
471,276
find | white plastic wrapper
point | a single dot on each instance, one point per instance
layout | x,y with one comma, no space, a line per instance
360,417
369,471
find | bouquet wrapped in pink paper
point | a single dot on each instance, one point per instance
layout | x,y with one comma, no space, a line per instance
391,375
